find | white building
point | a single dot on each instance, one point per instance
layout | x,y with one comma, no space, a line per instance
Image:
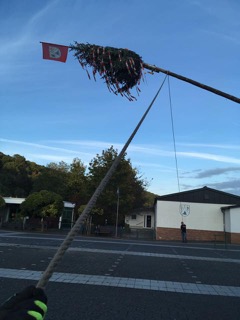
210,215
141,218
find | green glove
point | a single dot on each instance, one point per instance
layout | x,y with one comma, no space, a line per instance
29,304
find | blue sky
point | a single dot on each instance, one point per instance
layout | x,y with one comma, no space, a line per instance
52,112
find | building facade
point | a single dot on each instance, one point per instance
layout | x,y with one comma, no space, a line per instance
210,215
141,218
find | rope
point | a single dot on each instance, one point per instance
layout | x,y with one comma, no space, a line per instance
73,232
173,134
174,140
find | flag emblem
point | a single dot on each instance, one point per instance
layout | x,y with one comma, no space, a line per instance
54,52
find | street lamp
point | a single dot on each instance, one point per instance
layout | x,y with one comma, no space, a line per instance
117,213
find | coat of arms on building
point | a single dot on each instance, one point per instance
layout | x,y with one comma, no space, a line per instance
184,209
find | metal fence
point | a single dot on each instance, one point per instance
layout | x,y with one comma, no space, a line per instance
139,234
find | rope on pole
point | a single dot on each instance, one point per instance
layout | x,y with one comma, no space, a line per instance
73,232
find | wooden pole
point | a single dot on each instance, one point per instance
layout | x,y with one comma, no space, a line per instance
193,82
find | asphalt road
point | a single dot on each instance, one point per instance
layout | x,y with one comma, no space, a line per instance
102,278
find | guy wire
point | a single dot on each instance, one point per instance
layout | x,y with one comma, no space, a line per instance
174,140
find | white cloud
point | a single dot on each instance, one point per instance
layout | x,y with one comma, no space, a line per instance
211,145
208,156
89,148
37,145
48,158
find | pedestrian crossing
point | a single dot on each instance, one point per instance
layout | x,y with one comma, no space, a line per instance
121,282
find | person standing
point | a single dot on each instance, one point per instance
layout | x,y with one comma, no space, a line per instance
184,232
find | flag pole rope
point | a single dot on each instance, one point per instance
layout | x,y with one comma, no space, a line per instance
73,232
174,142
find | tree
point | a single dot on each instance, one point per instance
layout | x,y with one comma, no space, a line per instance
150,197
14,176
126,179
61,166
2,202
51,179
77,184
42,204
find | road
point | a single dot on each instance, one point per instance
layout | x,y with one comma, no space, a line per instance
103,278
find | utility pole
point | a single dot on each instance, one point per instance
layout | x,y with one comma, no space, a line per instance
116,233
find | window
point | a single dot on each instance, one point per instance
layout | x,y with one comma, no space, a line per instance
134,217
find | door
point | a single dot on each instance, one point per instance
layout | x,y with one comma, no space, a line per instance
149,221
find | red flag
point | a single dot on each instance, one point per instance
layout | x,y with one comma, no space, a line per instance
54,52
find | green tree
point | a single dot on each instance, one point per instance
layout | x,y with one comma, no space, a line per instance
61,166
77,190
126,179
14,176
42,204
52,179
2,202
150,197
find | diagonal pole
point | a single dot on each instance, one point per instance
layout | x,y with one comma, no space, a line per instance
73,232
193,82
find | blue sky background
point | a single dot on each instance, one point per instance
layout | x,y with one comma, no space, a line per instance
52,112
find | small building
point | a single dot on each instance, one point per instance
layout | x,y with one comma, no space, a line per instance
141,218
140,224
9,215
210,215
10,211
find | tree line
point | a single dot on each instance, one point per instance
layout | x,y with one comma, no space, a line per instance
45,187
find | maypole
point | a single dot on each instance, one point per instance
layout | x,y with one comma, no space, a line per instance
122,69
193,82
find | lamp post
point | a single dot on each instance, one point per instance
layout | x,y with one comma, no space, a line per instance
116,232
